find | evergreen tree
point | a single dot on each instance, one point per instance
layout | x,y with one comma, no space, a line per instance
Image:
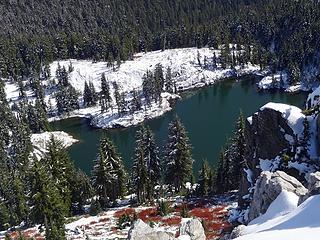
169,81
61,168
158,82
178,158
305,141
204,179
105,96
136,104
140,178
67,99
48,206
81,191
89,95
146,167
152,157
147,86
108,175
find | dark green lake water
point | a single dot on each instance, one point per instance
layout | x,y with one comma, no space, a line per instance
209,115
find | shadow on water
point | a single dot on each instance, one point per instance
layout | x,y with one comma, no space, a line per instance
209,115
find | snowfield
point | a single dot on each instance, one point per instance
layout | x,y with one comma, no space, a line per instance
186,73
40,141
285,221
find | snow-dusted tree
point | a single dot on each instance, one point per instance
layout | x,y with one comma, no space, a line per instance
136,103
147,86
47,203
105,96
89,95
108,175
146,167
152,160
169,81
178,157
67,99
140,179
304,142
205,180
158,82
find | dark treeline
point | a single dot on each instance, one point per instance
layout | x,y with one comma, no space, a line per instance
33,33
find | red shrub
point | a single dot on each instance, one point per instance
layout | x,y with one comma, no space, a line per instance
104,219
203,213
146,214
127,211
211,236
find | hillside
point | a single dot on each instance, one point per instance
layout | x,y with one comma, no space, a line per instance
185,71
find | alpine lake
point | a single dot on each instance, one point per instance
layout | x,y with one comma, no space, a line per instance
209,115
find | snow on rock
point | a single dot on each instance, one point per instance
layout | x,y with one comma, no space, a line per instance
292,114
314,98
302,222
283,204
40,141
278,80
194,229
269,165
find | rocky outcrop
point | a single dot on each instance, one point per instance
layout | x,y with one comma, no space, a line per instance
313,187
265,138
194,229
237,231
142,231
268,187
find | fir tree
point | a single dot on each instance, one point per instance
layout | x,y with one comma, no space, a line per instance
136,104
105,96
81,191
108,175
204,179
89,95
48,206
169,81
140,178
178,158
61,168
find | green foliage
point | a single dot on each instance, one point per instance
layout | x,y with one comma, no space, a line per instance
231,161
163,208
204,179
184,211
178,157
124,221
108,174
146,165
95,208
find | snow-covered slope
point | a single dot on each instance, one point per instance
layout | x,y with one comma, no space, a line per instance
186,73
41,140
302,222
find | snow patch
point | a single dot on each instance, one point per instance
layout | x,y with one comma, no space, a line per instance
40,141
292,114
299,223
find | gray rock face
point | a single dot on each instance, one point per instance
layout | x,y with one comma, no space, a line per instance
142,231
268,187
237,231
265,138
313,187
194,229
